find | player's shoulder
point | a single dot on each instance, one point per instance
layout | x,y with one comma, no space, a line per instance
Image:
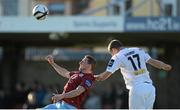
129,51
120,54
89,76
125,50
135,48
74,72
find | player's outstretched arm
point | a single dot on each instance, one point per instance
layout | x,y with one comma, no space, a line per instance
61,71
103,76
76,92
159,64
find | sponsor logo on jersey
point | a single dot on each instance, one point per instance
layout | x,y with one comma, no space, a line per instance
111,62
141,71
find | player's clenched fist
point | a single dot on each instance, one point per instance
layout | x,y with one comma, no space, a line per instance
57,97
50,59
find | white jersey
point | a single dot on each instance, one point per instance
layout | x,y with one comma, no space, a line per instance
132,62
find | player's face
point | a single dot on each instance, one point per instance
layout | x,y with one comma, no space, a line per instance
83,64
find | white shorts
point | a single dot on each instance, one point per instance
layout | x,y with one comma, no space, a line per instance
142,96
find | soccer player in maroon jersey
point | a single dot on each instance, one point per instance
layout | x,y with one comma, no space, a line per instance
78,85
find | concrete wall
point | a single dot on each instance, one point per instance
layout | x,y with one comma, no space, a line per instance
149,8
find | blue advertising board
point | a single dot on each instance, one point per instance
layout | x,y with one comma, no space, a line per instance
152,24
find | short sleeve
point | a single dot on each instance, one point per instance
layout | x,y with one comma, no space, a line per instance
146,56
114,64
87,82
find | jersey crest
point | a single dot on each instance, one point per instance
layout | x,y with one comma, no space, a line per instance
88,83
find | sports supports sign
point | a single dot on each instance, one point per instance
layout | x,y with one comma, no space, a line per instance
152,24
62,24
92,24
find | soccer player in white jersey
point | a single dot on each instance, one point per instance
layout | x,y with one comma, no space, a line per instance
132,63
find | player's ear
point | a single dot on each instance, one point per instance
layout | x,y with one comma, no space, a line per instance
113,50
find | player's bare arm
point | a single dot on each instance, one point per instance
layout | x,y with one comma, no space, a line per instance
159,64
76,92
103,76
61,71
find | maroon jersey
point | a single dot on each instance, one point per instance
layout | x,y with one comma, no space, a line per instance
78,79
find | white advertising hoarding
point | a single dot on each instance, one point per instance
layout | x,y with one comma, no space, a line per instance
61,24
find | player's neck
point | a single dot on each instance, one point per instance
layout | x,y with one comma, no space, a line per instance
118,50
121,48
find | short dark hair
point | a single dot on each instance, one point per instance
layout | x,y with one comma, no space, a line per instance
91,60
114,44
